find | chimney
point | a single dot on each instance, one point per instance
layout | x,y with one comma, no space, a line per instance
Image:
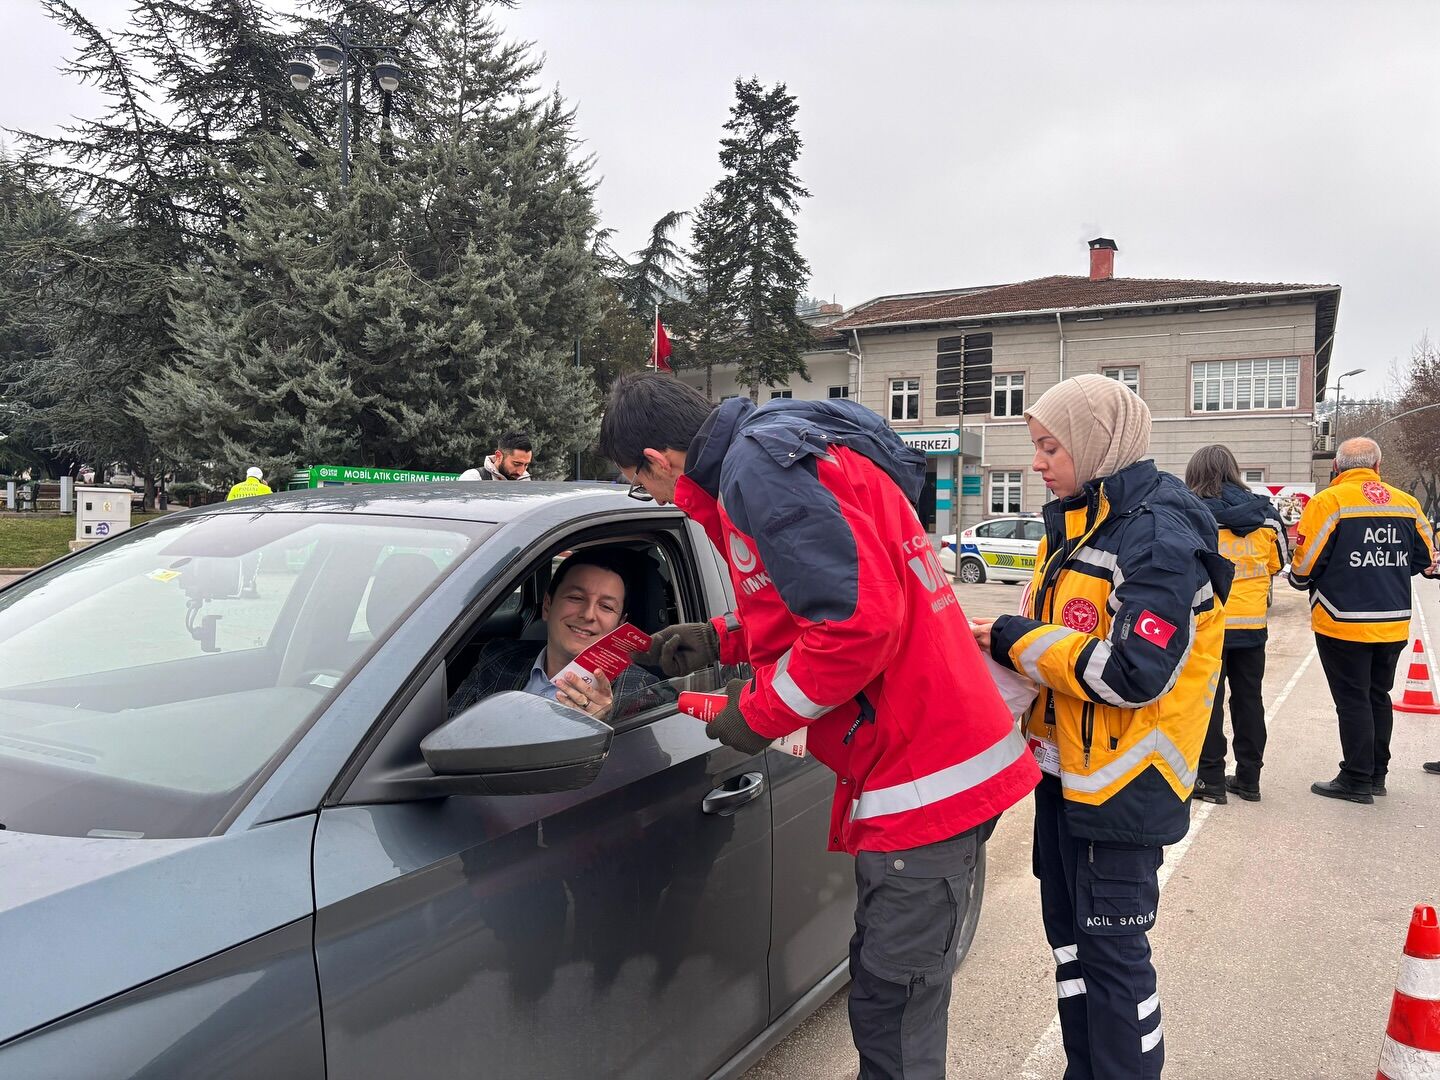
1102,259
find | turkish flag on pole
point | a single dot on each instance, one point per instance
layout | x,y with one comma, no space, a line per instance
660,353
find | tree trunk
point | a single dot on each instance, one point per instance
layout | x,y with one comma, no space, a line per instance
709,388
149,500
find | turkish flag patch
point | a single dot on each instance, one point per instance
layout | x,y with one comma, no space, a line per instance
1153,628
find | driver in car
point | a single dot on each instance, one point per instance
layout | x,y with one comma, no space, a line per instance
585,601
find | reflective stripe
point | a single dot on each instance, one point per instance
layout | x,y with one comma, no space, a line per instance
1387,616
1244,622
1203,594
1156,743
1419,978
794,698
1094,677
1149,1005
944,784
1401,1062
1070,988
1106,560
1149,1042
1066,953
1030,657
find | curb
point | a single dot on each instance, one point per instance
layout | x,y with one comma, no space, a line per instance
17,570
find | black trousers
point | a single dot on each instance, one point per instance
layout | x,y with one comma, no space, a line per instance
1360,676
908,913
1244,670
1099,901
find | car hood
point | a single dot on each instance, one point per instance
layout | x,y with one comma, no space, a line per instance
86,918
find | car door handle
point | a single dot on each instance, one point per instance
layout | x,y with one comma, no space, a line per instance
733,794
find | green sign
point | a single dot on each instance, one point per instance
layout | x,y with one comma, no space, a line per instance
359,474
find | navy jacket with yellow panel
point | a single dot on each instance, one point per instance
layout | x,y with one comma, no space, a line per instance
1360,542
1124,630
1252,537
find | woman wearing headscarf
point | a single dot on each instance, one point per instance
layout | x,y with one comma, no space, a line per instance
1122,629
1253,538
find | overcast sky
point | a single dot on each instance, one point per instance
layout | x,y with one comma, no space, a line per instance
951,144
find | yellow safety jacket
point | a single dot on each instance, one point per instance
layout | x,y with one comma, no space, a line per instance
1123,628
1252,536
247,487
1360,541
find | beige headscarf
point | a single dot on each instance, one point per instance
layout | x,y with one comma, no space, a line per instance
1103,425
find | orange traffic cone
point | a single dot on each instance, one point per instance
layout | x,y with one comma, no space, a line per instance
1419,696
1411,1049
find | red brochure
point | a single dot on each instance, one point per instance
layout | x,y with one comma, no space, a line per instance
708,706
611,655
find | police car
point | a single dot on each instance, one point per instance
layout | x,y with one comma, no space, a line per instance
999,549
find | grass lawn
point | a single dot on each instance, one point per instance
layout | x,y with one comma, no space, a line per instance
34,541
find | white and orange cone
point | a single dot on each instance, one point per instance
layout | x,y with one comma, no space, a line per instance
1411,1049
1419,696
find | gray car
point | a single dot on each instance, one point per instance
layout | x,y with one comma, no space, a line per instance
244,837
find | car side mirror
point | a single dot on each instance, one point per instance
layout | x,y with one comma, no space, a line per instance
517,744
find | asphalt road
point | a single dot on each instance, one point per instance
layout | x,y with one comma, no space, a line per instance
1280,925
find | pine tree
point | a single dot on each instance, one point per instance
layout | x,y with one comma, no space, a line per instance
746,240
415,317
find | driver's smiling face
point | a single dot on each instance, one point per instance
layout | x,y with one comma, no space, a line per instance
589,603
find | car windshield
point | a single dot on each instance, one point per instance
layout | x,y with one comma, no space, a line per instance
147,683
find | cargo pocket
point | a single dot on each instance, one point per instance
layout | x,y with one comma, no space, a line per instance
914,902
1117,891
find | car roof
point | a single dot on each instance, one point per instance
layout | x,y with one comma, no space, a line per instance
458,500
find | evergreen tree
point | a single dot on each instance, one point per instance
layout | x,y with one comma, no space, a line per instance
416,317
714,309
745,241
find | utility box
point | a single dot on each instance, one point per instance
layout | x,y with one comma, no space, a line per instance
100,512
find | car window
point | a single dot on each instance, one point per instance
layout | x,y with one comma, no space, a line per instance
998,530
490,664
1034,530
147,681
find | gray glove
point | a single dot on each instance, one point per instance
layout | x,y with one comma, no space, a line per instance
682,649
730,727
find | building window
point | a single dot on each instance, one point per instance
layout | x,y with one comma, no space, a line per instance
1243,385
839,391
781,394
1009,395
1254,476
1005,492
1129,376
962,375
904,399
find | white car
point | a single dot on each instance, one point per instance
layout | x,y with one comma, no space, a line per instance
999,549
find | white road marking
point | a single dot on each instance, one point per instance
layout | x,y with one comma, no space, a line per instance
1050,1043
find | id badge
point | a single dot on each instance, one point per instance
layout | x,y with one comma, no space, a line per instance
1047,755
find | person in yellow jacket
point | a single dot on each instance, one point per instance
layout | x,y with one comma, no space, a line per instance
1359,543
1122,627
253,484
1252,536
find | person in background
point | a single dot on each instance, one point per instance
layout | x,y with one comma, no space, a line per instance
1360,543
253,484
1123,631
1252,537
511,460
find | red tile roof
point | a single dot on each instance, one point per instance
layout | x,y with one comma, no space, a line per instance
1060,292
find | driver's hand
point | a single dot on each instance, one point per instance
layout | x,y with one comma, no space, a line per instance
596,701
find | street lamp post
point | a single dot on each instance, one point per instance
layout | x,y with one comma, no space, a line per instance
333,58
1338,380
